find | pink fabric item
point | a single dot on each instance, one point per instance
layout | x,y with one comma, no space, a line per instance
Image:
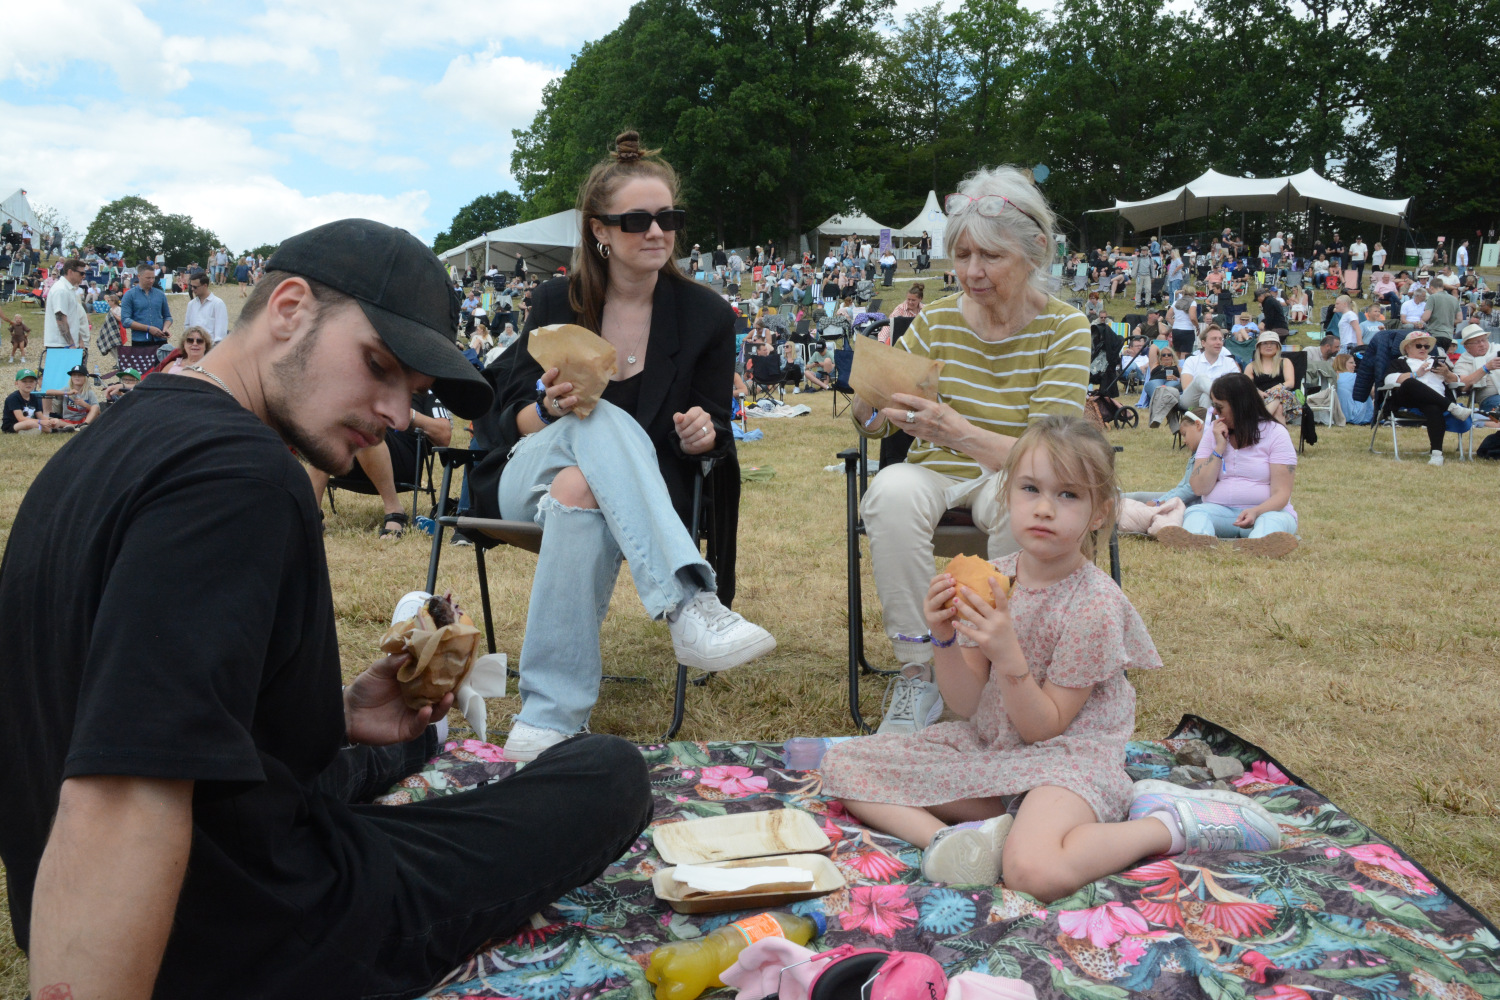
978,986
756,973
1142,518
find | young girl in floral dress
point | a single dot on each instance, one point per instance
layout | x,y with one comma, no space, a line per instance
1040,681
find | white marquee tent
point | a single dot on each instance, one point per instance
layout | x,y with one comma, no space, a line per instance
546,244
932,221
1298,193
18,210
852,223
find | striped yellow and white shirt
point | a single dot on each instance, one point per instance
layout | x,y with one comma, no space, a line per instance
1000,386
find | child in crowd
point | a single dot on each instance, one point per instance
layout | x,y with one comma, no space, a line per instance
19,337
1040,681
24,412
79,406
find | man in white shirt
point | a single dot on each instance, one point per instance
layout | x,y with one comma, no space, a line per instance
1357,254
1414,308
1198,374
1476,367
1461,258
206,309
66,324
830,262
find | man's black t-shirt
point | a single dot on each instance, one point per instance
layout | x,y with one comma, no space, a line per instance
165,603
14,402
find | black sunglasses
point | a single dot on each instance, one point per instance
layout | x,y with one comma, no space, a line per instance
669,219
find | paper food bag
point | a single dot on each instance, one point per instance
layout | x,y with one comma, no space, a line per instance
580,356
879,371
441,641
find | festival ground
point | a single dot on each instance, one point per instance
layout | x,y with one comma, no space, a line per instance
1364,661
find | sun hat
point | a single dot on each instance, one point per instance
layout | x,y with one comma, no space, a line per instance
25,373
1417,337
403,290
1268,337
1471,331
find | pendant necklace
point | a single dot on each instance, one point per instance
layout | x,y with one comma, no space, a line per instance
630,358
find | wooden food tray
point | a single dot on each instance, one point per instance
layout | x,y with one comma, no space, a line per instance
739,835
826,878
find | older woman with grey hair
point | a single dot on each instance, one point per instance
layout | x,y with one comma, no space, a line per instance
1012,352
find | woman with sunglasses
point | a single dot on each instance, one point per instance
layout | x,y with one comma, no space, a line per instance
1420,379
188,349
617,484
1013,352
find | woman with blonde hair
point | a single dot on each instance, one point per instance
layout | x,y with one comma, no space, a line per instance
1274,378
188,348
1013,353
616,484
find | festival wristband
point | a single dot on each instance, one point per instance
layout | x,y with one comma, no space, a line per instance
542,414
1218,456
870,422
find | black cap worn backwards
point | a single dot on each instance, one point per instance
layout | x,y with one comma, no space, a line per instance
405,294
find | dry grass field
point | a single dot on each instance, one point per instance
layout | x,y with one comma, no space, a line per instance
1365,661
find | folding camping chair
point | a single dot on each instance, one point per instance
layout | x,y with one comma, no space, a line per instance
955,535
489,532
415,481
1387,411
767,378
843,363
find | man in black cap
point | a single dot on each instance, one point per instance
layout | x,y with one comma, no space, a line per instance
186,809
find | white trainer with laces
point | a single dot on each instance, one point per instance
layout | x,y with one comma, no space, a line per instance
526,742
912,702
1436,459
709,636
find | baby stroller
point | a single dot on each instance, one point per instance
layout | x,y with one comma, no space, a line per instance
1105,411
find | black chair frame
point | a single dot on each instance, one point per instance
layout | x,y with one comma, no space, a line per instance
423,472
951,538
485,533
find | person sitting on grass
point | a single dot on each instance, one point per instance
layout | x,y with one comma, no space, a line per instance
25,409
1243,472
820,370
394,460
79,406
1038,681
129,379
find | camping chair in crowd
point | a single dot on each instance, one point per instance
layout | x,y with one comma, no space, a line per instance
955,535
843,364
899,326
765,377
1386,411
486,533
414,481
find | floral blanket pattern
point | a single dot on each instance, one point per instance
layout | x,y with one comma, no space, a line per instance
1337,912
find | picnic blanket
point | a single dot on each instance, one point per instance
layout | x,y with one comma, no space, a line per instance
1337,912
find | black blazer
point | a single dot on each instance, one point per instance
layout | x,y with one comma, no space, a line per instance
689,362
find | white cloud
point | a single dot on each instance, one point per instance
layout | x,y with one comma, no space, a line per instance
261,209
507,86
39,39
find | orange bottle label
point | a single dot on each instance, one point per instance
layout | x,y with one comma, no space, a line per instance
752,929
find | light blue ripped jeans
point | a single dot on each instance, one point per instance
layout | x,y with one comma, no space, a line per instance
581,552
1218,520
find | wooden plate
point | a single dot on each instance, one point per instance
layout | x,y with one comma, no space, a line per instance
826,878
739,835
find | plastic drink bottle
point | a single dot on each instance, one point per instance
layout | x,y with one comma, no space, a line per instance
805,753
682,970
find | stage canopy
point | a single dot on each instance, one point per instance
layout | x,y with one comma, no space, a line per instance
932,221
546,244
18,210
1298,193
852,223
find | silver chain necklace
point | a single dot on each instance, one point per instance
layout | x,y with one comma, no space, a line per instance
204,371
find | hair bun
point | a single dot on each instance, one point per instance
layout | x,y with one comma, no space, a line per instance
627,146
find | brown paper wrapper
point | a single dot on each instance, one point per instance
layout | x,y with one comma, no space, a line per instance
441,654
880,371
580,356
974,573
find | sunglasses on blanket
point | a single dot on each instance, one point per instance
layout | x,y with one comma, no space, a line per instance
669,219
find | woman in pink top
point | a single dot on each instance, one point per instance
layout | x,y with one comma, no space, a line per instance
1243,472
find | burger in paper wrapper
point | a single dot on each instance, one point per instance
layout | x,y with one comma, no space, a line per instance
974,573
441,641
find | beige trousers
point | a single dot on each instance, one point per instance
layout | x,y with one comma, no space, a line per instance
901,510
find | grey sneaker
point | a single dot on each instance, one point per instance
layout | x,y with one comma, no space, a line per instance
709,636
966,855
911,702
526,742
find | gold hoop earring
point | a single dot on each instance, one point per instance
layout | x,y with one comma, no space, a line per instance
603,250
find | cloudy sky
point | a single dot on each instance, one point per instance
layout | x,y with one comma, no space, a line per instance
262,119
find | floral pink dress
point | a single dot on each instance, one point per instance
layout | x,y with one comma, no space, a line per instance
1077,632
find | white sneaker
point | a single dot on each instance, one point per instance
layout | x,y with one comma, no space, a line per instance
526,742
968,855
709,636
1459,412
1436,459
913,702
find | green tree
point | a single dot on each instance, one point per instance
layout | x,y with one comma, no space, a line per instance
183,243
994,41
484,214
130,224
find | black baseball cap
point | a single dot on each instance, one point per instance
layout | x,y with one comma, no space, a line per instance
405,294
